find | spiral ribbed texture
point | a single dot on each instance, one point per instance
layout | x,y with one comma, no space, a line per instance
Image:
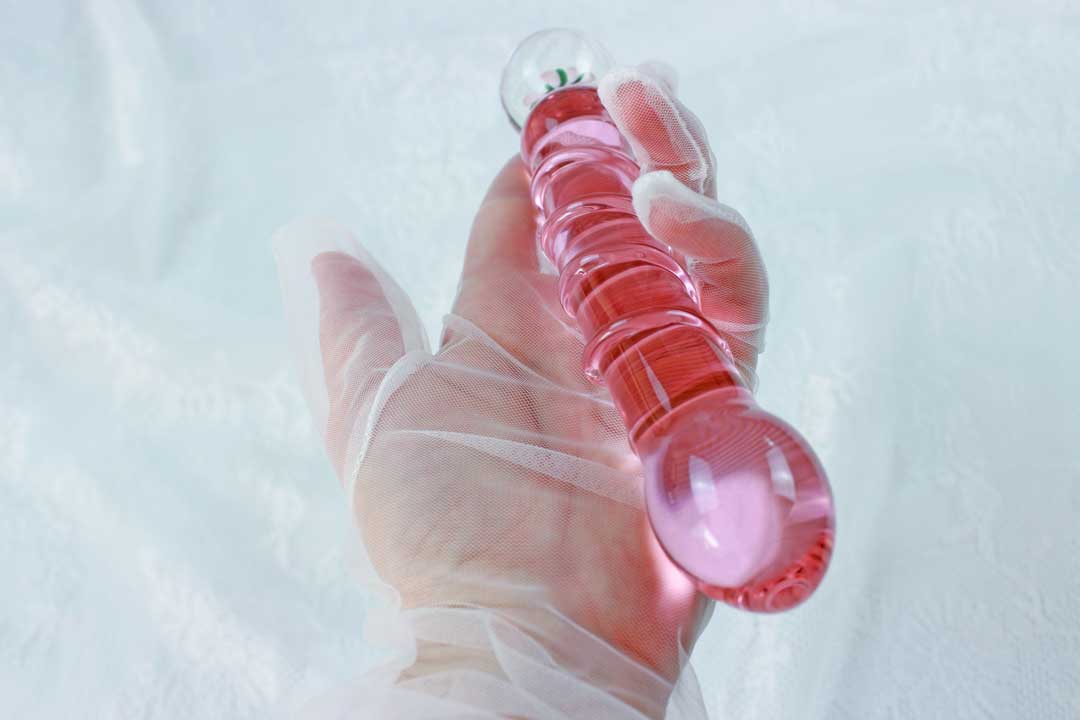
735,496
636,306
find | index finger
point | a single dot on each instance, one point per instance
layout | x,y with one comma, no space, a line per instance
663,134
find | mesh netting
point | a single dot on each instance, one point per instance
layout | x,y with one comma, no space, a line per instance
497,499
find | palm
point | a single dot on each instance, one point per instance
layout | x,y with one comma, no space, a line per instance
445,521
491,473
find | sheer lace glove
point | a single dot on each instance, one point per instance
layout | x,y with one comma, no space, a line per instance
496,496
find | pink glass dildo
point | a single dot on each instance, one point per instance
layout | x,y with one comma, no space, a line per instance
735,496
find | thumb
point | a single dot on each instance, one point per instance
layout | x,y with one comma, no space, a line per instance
350,323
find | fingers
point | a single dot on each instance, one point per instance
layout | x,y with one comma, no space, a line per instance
501,255
503,293
662,133
722,255
503,234
350,323
674,199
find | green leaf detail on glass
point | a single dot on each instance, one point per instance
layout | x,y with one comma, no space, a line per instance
559,78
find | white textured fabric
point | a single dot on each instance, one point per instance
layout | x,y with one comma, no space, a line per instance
175,545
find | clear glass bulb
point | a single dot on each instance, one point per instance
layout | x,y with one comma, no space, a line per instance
738,500
547,61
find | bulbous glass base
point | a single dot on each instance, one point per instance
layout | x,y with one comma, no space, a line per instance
738,500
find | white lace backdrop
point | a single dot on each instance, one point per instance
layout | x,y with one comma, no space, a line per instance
175,545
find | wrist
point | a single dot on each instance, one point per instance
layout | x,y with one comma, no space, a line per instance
435,657
537,655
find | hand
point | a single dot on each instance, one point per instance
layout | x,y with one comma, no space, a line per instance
491,475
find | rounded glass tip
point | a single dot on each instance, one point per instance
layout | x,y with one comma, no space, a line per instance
545,62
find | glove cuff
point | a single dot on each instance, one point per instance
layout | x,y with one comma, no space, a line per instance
522,663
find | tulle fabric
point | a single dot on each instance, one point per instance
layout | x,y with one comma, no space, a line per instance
527,681
547,665
498,504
